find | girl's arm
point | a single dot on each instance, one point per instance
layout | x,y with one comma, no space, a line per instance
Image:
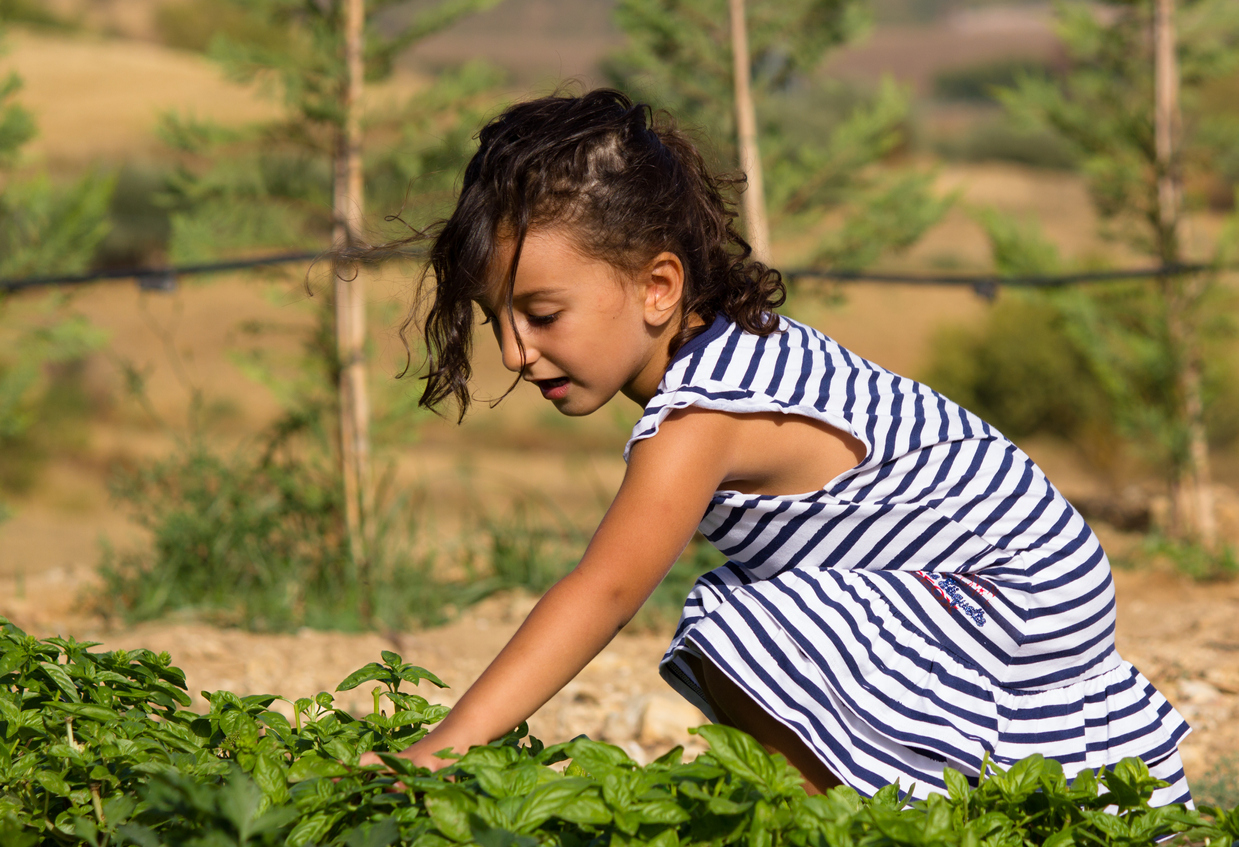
667,487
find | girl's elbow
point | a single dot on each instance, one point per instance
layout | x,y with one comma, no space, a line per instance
614,601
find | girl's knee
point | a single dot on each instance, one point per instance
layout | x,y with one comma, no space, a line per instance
734,707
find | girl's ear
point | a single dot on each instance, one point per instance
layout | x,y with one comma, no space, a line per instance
664,288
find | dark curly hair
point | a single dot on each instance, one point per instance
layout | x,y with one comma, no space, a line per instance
625,182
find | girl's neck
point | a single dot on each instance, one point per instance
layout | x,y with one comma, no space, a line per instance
642,389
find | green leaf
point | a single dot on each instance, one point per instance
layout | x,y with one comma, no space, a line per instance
414,674
102,714
547,801
739,753
271,775
11,661
587,810
61,680
369,673
450,810
373,834
277,722
661,811
53,782
311,766
956,785
724,806
401,766
595,757
310,830
391,659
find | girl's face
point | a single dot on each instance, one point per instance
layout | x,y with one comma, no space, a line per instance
588,333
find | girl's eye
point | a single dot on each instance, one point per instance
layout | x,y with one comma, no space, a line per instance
543,320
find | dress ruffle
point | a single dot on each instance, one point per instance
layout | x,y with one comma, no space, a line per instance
880,702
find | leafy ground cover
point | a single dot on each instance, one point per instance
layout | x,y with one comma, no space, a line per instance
98,749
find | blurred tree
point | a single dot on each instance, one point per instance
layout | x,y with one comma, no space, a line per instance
1145,343
821,146
300,179
45,228
269,184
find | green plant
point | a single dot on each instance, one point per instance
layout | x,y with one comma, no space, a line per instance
194,25
45,227
139,225
42,399
991,139
32,13
1194,559
257,541
976,83
269,184
524,550
1019,371
1220,785
98,749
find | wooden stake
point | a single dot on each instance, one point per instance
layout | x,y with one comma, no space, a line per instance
1166,117
1194,506
754,197
350,304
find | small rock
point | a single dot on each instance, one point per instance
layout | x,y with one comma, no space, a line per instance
666,718
1225,680
623,724
1197,691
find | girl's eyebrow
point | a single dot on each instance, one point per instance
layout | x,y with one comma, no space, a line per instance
538,292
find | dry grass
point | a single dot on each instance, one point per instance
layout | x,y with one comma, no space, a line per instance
100,99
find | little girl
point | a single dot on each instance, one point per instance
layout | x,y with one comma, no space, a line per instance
905,590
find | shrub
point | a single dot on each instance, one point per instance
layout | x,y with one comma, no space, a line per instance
258,541
1018,370
193,25
995,139
138,217
977,83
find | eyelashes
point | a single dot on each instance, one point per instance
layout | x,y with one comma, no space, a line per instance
533,320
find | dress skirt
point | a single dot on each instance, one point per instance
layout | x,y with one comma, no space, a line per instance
881,700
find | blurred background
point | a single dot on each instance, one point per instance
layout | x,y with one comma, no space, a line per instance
171,469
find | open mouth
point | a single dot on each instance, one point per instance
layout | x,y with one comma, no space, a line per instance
553,389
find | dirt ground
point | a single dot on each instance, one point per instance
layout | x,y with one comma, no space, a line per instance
1183,635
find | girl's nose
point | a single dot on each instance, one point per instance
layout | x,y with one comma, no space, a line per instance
511,351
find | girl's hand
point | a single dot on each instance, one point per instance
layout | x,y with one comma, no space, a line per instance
421,754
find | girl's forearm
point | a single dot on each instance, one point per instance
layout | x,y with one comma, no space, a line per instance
566,629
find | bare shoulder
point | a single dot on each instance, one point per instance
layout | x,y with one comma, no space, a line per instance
758,453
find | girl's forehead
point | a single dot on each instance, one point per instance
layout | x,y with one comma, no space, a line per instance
551,262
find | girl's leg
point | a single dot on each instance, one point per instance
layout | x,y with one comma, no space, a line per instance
735,708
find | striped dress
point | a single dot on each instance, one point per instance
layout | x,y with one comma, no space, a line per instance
939,602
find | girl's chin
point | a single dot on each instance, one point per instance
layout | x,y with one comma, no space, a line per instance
577,404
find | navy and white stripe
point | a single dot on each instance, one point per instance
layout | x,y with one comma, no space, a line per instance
939,602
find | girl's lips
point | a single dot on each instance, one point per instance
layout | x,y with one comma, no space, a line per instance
553,389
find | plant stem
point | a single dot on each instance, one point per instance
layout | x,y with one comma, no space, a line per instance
97,802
